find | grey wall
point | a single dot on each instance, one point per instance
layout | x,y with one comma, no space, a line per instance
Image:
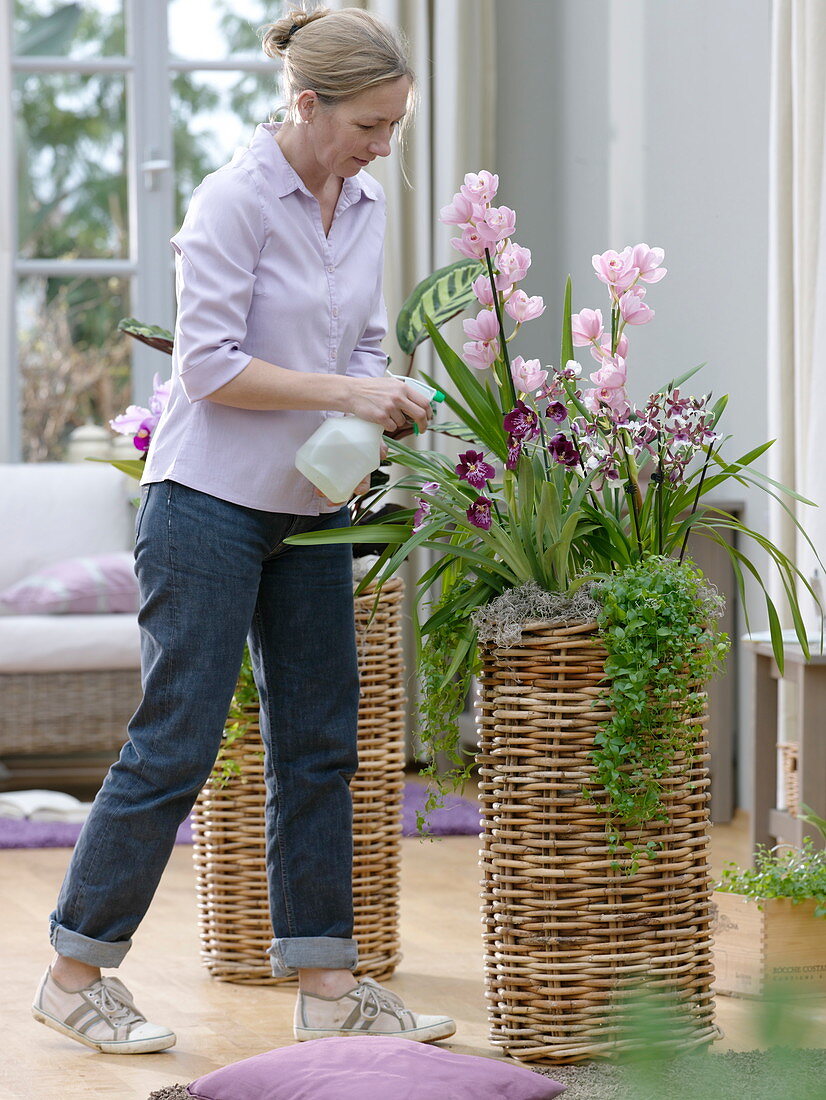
621,121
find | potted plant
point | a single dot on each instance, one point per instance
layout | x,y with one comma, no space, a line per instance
768,931
560,578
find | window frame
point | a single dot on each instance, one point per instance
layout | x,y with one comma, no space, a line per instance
148,69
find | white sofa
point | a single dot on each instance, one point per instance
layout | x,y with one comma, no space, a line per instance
68,682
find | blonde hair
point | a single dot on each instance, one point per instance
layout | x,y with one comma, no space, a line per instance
337,54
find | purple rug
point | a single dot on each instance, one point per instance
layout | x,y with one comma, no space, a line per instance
458,817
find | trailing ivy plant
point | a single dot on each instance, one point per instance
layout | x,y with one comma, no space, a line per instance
239,720
657,621
798,874
442,700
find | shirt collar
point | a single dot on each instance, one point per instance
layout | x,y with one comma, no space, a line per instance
283,177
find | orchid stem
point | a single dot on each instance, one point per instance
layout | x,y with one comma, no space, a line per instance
504,341
696,501
632,490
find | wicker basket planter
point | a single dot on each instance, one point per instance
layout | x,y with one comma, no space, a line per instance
228,822
564,929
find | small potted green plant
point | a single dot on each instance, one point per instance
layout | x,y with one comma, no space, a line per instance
769,929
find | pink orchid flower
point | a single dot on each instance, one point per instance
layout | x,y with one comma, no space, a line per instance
603,351
458,212
586,326
479,187
497,223
160,394
633,309
616,269
611,375
483,326
480,355
512,263
129,422
482,289
647,261
471,243
615,398
522,308
422,512
528,375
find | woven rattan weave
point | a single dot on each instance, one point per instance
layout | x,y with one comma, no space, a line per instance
228,821
62,712
565,931
789,752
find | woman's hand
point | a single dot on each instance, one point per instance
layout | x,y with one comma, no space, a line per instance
389,402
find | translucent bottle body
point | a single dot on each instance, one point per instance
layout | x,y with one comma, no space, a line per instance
339,454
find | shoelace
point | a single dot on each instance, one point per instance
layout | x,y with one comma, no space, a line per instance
375,998
119,1012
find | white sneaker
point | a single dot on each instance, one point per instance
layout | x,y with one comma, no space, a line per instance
102,1016
369,1009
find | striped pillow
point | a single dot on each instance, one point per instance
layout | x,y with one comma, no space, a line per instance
100,584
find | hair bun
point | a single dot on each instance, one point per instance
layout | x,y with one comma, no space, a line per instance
276,37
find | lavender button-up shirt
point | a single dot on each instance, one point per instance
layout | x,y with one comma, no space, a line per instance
257,278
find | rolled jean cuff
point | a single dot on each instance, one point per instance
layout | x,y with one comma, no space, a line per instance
317,952
82,949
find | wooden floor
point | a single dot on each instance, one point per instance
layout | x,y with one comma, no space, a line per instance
218,1023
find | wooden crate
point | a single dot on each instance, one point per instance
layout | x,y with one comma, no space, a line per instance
776,944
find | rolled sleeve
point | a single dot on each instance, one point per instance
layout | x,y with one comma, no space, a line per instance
217,252
368,360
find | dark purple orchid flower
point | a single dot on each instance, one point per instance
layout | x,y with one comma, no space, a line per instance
562,450
522,421
479,513
514,451
474,470
557,412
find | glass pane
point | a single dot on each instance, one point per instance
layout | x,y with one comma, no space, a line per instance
213,113
71,165
213,30
53,28
74,365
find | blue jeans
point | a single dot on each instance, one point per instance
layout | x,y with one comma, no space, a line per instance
212,573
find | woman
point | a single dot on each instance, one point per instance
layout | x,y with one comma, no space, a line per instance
280,322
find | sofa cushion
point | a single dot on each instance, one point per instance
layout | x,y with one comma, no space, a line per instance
97,584
50,511
68,643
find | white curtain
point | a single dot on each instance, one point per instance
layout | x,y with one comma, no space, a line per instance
797,276
8,235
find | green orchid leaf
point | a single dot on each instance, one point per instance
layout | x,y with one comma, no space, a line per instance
567,331
439,297
133,467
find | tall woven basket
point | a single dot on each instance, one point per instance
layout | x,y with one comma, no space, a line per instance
566,931
228,821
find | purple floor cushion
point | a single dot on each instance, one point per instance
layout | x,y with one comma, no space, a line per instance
371,1068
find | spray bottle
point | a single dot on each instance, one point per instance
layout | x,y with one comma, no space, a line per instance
345,449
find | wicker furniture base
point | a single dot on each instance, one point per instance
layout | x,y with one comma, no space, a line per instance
565,931
44,712
228,822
